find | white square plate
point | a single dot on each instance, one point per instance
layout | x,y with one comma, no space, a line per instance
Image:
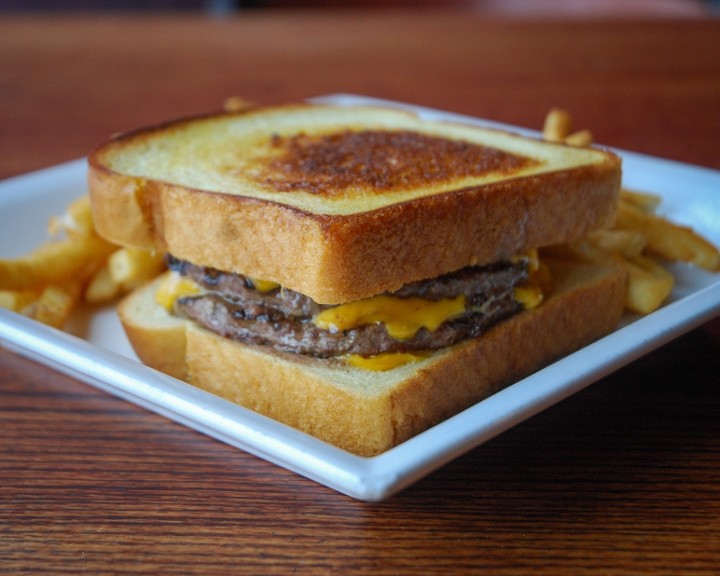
97,352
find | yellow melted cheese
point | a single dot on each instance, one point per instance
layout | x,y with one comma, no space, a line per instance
264,285
383,362
174,286
529,294
402,317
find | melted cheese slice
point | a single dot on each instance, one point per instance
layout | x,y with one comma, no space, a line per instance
529,294
175,286
402,317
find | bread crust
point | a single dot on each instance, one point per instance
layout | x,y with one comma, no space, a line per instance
368,412
336,258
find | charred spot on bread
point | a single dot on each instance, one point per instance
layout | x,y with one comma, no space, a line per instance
348,162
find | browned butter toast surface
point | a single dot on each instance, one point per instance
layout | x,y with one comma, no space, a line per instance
341,203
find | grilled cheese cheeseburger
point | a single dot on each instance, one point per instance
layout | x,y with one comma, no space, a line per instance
314,249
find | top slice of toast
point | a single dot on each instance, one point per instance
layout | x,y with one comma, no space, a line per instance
344,202
333,160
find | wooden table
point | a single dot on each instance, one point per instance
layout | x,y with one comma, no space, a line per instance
623,478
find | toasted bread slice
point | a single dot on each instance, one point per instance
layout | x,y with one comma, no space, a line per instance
343,203
369,412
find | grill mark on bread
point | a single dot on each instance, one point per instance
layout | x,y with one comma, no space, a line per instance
378,162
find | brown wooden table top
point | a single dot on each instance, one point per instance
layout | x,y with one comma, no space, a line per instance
622,478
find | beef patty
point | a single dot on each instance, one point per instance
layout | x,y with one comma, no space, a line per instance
233,307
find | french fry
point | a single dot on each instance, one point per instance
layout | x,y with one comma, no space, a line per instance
56,303
649,284
236,103
579,138
77,220
641,200
584,250
557,125
628,243
102,287
52,261
131,267
669,240
16,300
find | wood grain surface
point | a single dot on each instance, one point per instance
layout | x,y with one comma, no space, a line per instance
623,478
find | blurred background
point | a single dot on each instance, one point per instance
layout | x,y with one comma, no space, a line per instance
271,51
503,8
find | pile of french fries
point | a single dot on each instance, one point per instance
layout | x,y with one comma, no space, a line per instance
639,240
74,266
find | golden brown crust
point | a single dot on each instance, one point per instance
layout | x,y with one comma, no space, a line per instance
117,208
369,412
340,257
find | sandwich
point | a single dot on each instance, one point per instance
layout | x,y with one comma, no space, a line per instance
357,273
